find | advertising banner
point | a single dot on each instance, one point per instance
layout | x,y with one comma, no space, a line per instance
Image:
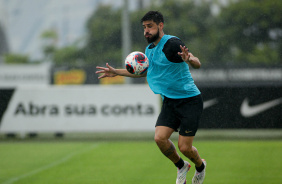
242,107
238,76
86,75
19,75
83,108
131,108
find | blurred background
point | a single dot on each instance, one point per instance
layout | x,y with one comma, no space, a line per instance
60,124
50,47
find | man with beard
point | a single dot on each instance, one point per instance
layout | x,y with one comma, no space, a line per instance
168,75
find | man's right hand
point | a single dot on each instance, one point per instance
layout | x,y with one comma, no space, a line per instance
108,71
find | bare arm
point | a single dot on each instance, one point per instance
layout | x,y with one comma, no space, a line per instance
110,71
189,58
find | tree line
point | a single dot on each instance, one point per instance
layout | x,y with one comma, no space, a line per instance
241,33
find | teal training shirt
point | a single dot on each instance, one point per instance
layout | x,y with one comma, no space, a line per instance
167,78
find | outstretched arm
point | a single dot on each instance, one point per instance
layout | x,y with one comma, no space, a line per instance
189,58
110,71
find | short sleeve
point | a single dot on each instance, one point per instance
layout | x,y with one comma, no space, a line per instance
171,49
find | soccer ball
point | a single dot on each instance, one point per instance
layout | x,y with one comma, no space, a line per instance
136,63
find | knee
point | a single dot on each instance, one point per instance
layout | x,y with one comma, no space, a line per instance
186,149
160,140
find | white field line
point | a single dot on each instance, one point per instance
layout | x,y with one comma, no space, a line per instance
53,164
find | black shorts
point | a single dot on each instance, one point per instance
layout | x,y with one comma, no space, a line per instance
183,114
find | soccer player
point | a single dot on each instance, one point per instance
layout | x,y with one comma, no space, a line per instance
168,75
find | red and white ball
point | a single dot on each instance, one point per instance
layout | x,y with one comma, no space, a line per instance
136,63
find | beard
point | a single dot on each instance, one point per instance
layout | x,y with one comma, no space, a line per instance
153,38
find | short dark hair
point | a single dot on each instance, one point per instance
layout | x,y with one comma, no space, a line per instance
156,16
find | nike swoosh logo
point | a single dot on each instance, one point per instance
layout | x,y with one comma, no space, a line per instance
250,111
187,131
210,103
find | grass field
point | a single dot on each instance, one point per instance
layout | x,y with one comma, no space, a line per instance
124,162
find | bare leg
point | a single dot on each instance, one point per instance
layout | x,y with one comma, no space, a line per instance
162,135
186,148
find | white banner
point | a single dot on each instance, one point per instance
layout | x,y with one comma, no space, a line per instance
18,75
81,108
238,75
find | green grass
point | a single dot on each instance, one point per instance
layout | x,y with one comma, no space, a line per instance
124,162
